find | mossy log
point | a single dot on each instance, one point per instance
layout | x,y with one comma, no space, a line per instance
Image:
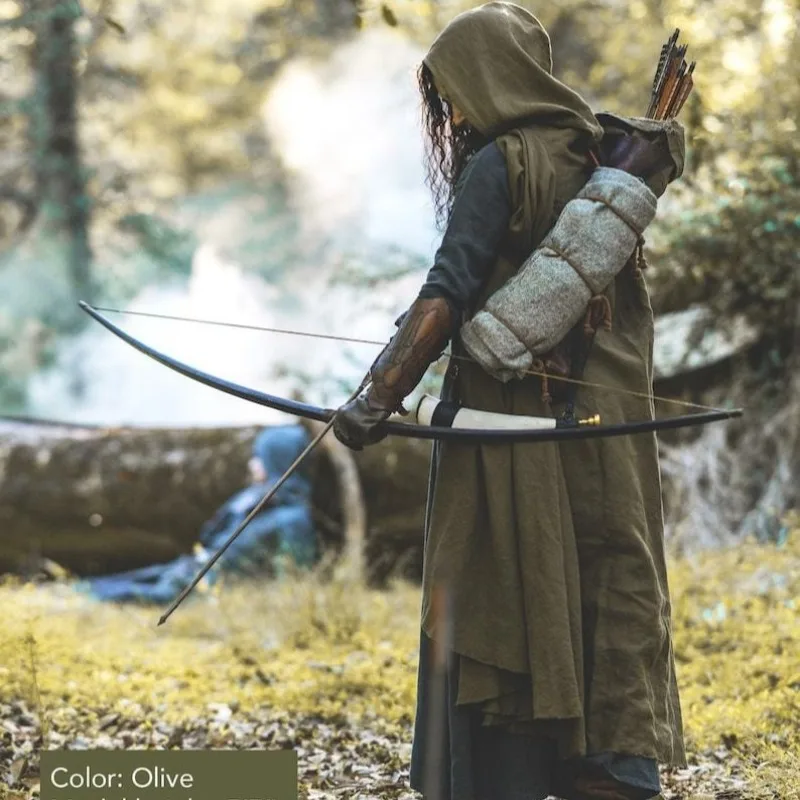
98,499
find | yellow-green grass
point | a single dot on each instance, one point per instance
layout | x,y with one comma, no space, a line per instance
344,652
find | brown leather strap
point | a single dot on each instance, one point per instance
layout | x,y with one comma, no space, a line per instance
419,340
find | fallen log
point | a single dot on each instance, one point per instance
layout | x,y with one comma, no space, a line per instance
101,499
98,499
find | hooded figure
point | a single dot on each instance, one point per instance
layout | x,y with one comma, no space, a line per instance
560,675
284,529
281,532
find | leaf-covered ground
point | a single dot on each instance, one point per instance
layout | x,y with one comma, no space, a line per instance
331,672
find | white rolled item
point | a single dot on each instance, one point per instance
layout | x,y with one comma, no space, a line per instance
470,418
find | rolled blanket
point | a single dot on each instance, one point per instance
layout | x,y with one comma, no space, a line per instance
592,240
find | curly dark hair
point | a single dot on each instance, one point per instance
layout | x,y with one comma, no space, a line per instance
447,149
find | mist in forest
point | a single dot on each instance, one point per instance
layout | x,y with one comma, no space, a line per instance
346,131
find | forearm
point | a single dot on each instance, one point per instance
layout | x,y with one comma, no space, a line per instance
421,337
463,262
475,231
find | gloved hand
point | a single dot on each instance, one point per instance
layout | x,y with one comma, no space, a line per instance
355,423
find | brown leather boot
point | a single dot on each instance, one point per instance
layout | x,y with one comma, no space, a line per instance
586,781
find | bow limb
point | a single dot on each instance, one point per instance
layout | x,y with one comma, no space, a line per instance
409,430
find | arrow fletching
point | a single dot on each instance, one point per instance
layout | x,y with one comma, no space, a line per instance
673,82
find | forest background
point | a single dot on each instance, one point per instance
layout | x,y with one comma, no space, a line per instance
260,162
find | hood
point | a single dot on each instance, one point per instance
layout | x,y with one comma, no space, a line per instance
277,447
495,63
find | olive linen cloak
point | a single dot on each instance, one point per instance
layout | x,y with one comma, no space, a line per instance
553,553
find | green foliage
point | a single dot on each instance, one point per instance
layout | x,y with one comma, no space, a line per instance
173,248
736,618
738,249
734,244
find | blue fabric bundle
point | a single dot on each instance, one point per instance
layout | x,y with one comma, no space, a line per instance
281,533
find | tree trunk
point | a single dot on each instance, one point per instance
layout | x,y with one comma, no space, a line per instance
58,168
99,500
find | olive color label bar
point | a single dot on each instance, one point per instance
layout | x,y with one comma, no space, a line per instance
168,775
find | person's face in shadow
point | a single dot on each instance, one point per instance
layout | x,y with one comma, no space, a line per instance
258,472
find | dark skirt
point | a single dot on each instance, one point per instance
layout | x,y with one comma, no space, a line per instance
471,761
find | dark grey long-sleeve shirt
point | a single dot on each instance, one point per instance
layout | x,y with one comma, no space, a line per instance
478,222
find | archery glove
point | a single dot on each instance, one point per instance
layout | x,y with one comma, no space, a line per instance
355,423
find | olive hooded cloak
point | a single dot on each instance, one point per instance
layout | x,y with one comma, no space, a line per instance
553,552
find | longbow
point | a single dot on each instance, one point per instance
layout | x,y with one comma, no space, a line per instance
565,431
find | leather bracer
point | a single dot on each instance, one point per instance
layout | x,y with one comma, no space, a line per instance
420,339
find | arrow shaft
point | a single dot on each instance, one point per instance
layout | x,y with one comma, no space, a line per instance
258,508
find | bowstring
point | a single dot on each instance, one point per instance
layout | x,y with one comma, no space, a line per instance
351,339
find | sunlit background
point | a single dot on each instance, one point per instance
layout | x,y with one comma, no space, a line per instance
261,163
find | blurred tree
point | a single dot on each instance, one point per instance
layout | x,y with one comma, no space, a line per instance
59,177
43,174
170,95
17,197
